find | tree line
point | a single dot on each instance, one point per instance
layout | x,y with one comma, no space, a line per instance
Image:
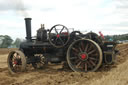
117,37
7,42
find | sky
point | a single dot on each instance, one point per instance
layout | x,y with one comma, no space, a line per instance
108,16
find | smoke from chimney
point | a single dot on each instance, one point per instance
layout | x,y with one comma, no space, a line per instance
20,7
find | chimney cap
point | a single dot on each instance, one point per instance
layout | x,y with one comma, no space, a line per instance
28,18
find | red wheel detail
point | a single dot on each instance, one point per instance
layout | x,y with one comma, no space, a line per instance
83,56
15,62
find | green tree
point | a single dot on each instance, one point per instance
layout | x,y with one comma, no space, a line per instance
6,41
17,42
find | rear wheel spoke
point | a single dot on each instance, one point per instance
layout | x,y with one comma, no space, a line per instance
89,65
75,54
80,49
94,54
91,58
86,47
91,51
92,63
82,46
86,67
75,49
77,61
90,47
72,58
78,64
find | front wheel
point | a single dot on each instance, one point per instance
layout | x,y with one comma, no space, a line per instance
84,55
16,62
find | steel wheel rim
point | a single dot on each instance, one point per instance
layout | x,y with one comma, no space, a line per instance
94,57
15,62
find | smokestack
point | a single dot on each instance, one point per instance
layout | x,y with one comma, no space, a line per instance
28,29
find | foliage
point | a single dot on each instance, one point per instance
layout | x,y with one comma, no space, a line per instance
6,41
117,37
17,42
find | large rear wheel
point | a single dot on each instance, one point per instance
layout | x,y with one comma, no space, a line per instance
16,62
84,55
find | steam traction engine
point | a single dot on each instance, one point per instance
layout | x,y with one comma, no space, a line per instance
82,52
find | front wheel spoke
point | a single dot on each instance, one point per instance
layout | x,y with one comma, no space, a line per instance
12,60
19,68
15,55
15,67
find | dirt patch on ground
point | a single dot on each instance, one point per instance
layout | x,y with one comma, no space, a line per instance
55,75
6,50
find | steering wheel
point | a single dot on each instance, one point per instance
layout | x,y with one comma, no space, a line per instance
59,35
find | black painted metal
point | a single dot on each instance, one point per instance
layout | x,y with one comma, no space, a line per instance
28,28
41,44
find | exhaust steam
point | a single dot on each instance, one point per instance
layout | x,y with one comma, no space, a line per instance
20,8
